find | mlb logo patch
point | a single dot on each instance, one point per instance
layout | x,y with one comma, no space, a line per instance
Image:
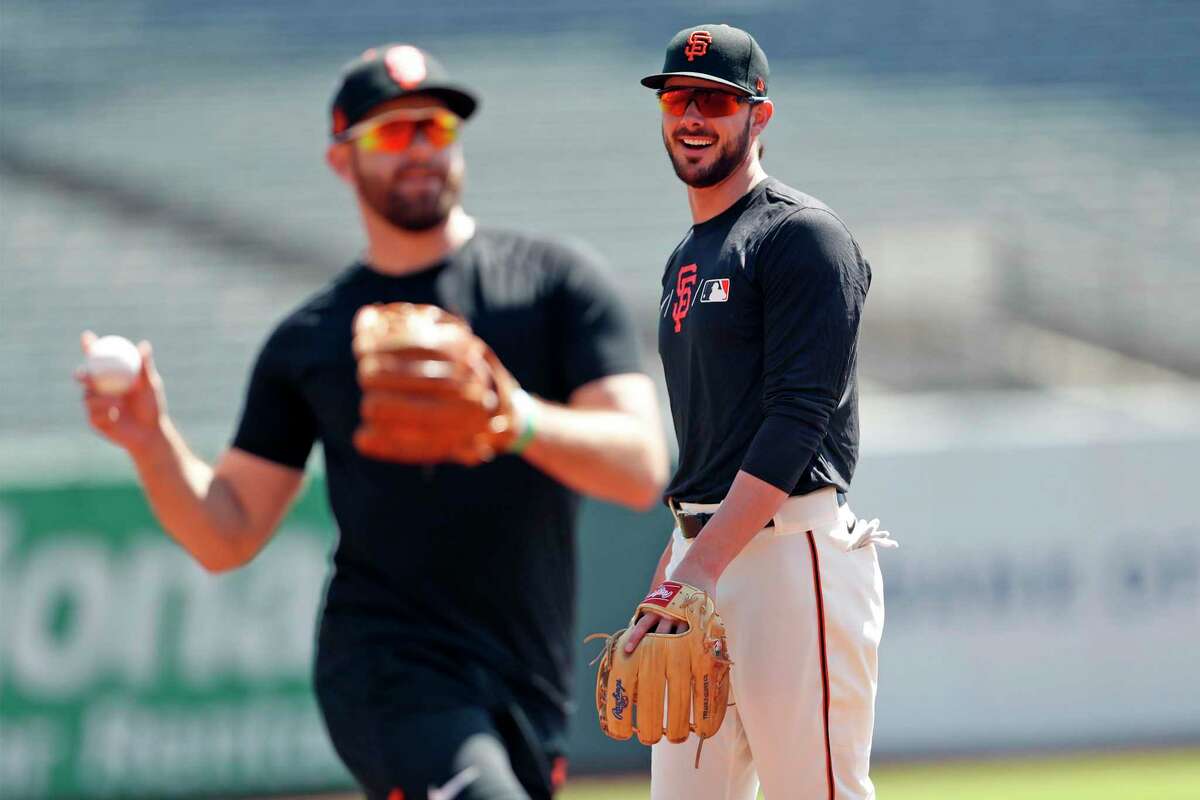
715,290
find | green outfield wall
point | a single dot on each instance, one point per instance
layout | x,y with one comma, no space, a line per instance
1044,596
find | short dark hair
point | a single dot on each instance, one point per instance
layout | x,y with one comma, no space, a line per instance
761,149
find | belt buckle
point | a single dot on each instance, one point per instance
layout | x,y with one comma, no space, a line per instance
693,525
695,521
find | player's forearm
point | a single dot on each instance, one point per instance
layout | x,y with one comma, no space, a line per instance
750,503
197,510
611,455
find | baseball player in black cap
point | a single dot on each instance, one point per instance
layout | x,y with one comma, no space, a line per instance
445,640
758,335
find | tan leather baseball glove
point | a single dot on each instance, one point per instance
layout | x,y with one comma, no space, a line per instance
433,391
687,673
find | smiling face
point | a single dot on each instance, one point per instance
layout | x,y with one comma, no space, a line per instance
416,188
706,150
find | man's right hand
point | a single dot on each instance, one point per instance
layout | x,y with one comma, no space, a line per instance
221,515
132,420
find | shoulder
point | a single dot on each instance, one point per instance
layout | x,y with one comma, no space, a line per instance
800,223
537,251
798,218
804,233
553,263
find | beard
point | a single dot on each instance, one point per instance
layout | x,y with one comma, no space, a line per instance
731,154
412,199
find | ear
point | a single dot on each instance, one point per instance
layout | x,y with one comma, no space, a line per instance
762,113
338,156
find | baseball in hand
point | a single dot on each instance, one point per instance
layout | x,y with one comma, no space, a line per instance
113,363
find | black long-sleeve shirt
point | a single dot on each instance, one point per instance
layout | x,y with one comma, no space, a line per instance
758,334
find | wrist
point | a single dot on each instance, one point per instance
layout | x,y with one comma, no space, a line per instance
525,414
154,447
696,573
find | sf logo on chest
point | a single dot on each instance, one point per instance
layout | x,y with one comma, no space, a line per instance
683,294
714,290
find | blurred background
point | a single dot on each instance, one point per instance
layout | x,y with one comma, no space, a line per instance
1022,176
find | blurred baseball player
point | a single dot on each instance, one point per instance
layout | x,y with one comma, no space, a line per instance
758,336
445,639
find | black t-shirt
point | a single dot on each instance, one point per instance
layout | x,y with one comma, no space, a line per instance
460,569
759,341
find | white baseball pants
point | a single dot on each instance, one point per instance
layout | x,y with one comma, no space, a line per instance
803,609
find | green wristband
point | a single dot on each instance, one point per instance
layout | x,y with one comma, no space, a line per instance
523,404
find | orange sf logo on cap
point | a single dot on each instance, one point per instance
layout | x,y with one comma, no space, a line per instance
697,44
406,65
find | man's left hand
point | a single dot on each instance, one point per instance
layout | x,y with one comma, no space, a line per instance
656,623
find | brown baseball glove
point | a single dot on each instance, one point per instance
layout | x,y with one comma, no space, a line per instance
433,391
687,672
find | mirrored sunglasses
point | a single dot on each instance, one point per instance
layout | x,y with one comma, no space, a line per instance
709,102
394,132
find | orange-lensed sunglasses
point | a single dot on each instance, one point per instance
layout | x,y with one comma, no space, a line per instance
393,132
709,102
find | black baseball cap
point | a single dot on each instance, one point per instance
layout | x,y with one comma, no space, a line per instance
389,71
718,53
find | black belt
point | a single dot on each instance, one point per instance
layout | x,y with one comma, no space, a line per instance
690,525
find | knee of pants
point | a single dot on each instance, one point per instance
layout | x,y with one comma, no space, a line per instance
480,771
455,753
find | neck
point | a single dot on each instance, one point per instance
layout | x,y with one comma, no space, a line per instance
395,251
710,201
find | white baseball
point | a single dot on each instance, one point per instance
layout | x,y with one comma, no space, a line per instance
113,363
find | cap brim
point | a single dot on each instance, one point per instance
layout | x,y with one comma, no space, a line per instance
460,101
660,80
